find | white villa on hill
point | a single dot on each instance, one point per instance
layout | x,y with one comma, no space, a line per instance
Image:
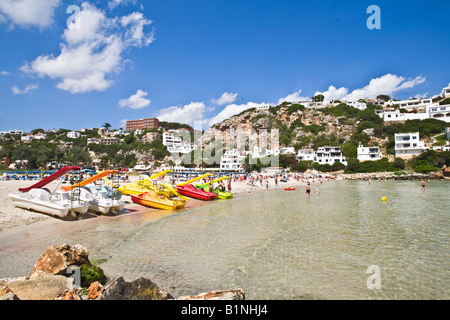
446,93
324,155
306,155
330,155
408,145
73,134
369,153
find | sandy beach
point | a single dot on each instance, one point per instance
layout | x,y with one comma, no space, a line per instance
12,217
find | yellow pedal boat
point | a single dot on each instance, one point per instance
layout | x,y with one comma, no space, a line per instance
151,199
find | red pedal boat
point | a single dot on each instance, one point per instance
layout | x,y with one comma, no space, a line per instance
191,191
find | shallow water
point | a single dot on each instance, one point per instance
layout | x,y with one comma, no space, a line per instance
280,244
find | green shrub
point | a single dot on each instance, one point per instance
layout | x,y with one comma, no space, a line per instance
90,274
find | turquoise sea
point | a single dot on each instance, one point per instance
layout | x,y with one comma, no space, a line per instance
275,244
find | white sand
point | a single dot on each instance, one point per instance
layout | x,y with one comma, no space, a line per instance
12,217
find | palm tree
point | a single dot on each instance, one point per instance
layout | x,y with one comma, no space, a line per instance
107,126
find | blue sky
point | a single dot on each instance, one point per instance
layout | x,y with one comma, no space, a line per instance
205,60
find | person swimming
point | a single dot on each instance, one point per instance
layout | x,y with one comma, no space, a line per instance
423,184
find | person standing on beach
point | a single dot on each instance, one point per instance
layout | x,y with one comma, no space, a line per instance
267,183
423,184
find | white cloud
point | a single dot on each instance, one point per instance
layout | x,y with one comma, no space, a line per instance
92,54
233,109
135,35
421,95
114,3
333,93
293,97
185,114
15,90
5,73
136,101
226,98
29,13
123,123
388,84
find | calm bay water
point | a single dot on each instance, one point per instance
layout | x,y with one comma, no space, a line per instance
281,244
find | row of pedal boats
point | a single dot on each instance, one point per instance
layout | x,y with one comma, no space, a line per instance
102,195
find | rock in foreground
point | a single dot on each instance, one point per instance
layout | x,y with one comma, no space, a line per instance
57,259
140,289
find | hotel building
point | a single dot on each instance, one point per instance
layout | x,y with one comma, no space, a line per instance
148,123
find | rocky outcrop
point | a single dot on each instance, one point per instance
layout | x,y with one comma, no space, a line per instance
49,281
236,294
57,259
140,289
253,120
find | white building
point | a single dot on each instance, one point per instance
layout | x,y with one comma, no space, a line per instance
26,139
259,152
175,144
232,160
73,134
412,104
408,145
329,155
13,132
120,133
306,155
287,151
357,104
445,93
439,112
369,153
104,141
432,111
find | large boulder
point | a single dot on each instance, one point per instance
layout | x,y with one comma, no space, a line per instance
57,259
45,287
236,294
140,289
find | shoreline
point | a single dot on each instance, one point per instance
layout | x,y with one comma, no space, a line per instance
12,218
